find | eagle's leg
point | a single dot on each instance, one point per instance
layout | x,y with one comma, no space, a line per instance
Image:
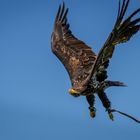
91,99
106,103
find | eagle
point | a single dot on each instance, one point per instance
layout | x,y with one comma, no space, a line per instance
86,69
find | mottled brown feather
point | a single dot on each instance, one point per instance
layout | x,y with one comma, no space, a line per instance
76,56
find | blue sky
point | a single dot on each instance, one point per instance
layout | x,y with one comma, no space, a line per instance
34,102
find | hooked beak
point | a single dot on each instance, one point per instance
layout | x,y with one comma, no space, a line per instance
74,92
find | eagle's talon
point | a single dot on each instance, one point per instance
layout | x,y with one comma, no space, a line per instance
111,116
92,112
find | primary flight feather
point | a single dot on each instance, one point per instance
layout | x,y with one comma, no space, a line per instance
88,71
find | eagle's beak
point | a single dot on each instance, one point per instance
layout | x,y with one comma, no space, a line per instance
74,92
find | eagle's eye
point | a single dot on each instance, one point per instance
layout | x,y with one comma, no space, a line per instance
74,93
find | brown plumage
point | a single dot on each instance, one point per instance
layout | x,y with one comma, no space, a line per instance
88,71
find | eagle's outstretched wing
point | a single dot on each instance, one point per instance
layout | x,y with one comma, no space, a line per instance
123,30
76,56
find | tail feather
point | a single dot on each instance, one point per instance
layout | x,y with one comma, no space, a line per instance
115,83
106,84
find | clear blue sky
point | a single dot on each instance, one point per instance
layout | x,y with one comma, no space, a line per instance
34,102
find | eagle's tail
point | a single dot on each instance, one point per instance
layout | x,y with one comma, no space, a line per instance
106,84
115,83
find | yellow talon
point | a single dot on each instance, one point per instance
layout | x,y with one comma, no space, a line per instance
111,116
92,114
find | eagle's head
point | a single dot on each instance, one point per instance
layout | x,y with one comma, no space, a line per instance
74,92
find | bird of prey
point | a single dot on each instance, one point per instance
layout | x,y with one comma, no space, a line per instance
88,71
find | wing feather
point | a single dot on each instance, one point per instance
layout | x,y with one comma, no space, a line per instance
76,56
122,32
